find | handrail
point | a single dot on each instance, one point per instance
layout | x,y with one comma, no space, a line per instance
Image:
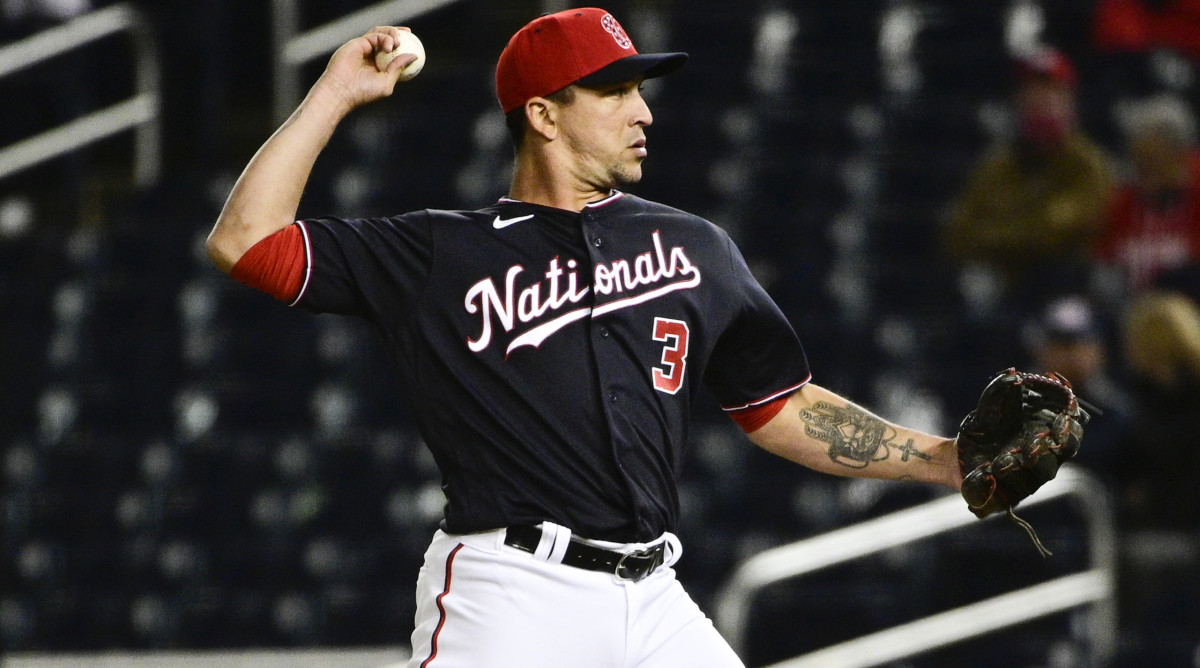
962,623
1096,586
293,49
141,112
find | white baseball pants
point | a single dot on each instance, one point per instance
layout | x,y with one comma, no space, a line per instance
483,604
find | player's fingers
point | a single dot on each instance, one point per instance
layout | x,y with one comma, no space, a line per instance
384,30
384,38
400,62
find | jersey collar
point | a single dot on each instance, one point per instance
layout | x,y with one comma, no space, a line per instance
616,195
612,197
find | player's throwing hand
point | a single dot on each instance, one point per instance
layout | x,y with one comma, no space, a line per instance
351,74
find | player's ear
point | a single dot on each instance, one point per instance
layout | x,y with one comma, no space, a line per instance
542,116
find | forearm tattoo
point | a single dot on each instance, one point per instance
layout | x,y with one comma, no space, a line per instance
856,438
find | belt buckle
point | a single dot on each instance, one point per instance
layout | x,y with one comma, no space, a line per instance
621,569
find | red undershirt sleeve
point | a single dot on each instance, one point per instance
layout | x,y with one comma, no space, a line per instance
276,265
753,418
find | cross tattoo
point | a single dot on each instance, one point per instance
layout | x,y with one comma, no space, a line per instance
908,449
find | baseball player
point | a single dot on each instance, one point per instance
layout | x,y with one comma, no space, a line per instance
552,344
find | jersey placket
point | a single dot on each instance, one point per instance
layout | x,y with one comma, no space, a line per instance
608,352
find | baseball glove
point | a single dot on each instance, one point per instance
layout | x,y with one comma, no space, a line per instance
1023,429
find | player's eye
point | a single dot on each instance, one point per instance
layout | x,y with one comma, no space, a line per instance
624,89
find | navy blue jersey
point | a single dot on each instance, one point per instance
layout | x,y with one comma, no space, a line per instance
550,357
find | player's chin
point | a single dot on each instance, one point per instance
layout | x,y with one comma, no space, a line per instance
627,175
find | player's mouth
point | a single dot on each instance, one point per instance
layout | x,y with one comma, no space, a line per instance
639,147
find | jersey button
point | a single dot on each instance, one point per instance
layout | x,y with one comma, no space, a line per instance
604,332
612,396
597,242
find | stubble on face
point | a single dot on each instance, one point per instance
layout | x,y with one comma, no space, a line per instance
624,175
604,141
605,172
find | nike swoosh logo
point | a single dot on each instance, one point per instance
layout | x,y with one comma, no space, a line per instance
501,223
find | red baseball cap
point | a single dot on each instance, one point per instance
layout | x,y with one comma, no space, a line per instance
585,46
1047,63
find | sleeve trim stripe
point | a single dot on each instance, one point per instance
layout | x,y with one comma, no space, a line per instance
307,263
769,398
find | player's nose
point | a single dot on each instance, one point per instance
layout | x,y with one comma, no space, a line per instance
642,115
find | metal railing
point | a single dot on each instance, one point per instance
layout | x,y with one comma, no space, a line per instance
1095,586
293,48
140,112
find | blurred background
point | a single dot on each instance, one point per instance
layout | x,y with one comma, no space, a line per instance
933,191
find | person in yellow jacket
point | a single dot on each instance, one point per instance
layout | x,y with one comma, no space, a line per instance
1034,204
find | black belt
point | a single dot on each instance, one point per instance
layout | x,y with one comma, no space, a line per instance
631,566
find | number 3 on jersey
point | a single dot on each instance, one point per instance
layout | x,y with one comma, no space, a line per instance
674,336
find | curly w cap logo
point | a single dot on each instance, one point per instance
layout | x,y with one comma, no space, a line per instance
613,28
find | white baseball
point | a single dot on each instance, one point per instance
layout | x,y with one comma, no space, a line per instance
408,44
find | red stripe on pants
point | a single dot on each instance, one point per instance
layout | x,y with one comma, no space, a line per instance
433,649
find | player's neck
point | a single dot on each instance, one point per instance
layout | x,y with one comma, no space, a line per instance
540,182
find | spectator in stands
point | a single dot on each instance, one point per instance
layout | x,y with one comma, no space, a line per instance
1161,338
1158,516
1141,25
1153,241
1068,337
1038,200
1154,221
